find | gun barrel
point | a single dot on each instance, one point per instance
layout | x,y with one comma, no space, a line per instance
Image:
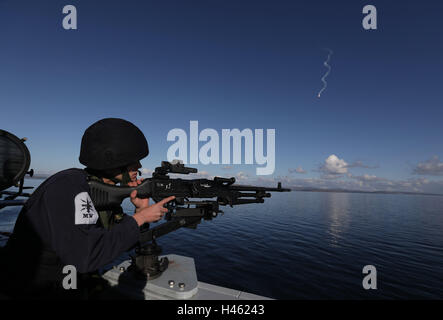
257,194
254,188
246,201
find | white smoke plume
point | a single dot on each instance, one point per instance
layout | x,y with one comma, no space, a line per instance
323,79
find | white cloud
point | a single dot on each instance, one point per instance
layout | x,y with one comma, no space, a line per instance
241,176
146,171
297,170
432,167
334,166
360,164
366,177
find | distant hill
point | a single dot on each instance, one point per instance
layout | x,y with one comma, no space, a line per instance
39,176
362,191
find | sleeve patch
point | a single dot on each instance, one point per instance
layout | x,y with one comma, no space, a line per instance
85,212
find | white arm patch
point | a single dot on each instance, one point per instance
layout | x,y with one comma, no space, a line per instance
85,212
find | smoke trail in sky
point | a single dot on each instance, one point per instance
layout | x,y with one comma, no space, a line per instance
325,84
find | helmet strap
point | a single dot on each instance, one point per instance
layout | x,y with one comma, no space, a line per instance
109,174
126,178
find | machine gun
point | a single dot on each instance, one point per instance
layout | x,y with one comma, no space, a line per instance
183,211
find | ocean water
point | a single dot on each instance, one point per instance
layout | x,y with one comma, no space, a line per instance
314,245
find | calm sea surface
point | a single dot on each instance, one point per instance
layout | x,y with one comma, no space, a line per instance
314,245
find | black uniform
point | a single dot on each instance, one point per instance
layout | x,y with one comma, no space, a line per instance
59,226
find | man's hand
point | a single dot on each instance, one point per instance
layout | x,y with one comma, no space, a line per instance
151,213
137,202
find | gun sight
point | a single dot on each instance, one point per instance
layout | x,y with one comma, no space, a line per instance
168,167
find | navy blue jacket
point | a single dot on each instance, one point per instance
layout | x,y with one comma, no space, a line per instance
60,218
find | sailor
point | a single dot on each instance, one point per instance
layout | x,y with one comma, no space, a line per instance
59,225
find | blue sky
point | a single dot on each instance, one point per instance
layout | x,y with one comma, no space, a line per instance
235,64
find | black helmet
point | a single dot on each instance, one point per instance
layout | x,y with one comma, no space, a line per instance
112,143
